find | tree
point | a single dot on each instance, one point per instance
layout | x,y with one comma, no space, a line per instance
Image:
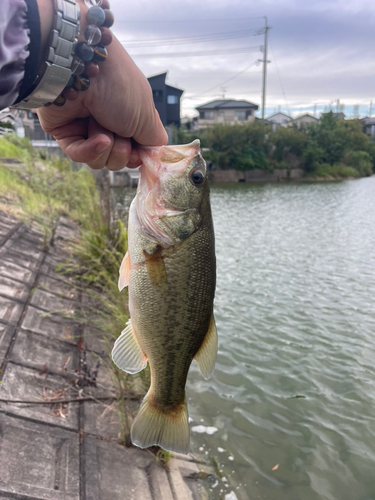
287,140
238,146
312,156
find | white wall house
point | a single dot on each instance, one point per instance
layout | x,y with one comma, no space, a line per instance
6,116
303,120
228,111
368,125
279,119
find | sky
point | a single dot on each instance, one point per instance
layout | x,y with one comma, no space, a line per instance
322,53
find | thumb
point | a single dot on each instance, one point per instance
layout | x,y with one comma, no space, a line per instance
151,131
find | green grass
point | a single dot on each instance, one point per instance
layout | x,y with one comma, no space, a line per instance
9,150
43,191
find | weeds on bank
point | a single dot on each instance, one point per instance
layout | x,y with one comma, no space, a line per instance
42,191
164,457
338,170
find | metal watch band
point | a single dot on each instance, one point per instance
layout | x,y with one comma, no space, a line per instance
59,56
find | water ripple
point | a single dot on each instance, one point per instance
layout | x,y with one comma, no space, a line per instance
294,380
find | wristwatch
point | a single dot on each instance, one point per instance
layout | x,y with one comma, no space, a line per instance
57,68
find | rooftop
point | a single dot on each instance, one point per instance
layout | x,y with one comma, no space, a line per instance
302,116
368,120
163,76
227,104
277,114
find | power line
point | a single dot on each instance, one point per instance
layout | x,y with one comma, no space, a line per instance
158,21
191,39
281,84
222,83
239,50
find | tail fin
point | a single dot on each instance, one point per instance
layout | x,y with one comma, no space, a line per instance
169,430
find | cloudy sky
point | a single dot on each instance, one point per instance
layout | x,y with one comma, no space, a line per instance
320,51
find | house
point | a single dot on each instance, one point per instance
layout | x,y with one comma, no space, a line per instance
31,125
279,119
189,123
227,111
304,119
339,115
368,125
8,119
166,99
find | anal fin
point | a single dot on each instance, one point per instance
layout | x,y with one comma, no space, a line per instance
206,356
124,272
126,353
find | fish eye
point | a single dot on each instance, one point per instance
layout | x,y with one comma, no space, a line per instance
196,177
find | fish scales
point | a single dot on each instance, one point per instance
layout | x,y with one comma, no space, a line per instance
171,272
178,317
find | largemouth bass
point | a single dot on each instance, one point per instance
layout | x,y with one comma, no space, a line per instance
170,268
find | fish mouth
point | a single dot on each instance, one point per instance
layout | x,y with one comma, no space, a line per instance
158,160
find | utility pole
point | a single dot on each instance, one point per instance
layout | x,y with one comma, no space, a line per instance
264,61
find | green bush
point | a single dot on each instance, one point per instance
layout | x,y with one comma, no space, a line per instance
312,156
6,125
239,146
360,160
338,170
287,140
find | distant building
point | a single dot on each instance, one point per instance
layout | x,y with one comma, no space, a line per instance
189,123
340,115
31,125
166,99
303,120
7,117
368,126
279,119
227,111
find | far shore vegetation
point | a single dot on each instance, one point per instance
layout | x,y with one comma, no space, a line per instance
331,148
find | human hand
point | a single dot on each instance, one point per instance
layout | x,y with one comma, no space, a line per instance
97,127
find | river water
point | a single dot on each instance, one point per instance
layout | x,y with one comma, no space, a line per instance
289,413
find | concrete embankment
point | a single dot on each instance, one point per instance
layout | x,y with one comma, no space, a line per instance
59,416
277,175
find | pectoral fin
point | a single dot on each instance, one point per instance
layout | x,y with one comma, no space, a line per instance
126,353
156,268
206,356
124,273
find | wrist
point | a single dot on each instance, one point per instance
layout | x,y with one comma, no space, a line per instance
57,24
60,68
